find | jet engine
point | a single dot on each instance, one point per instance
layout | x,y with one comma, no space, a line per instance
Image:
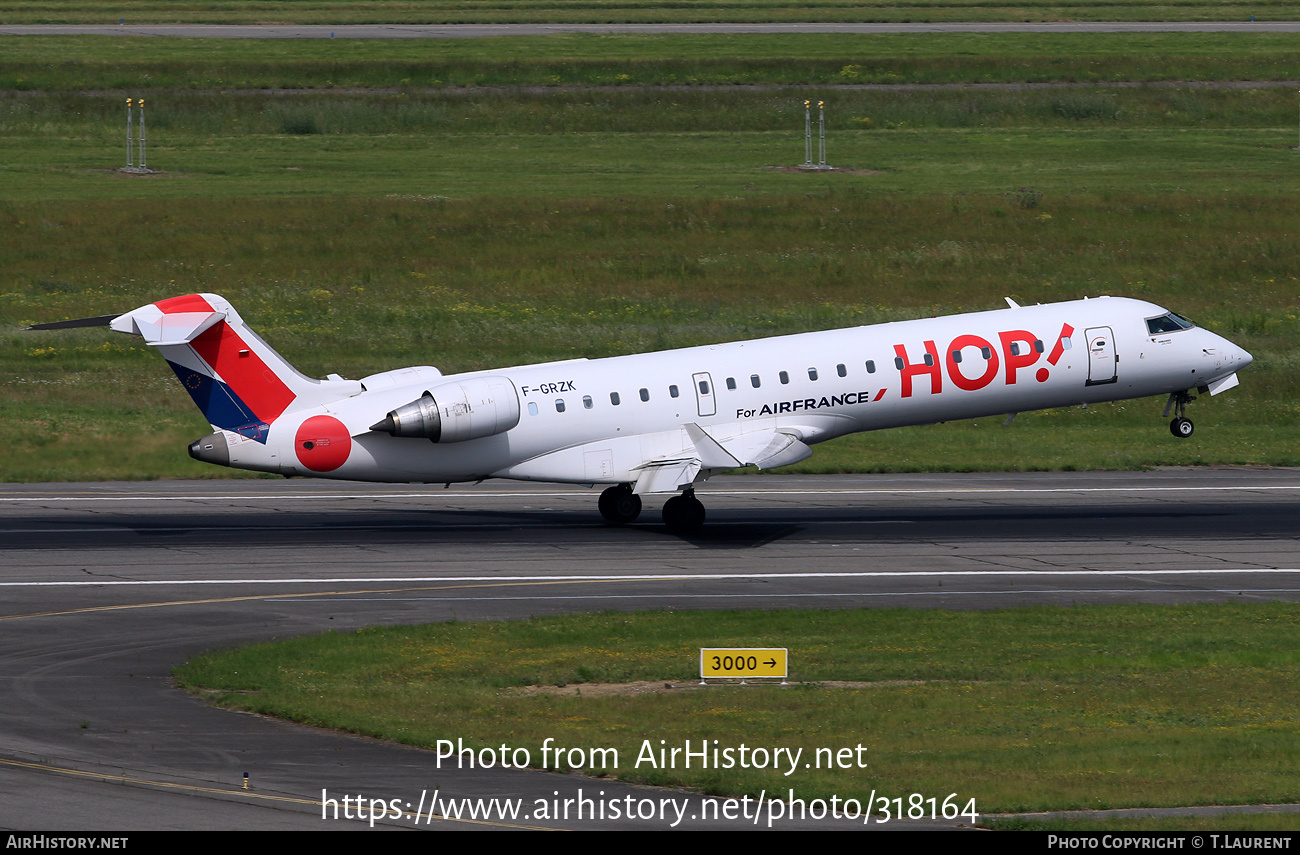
454,412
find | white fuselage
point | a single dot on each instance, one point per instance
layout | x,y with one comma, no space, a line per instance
604,420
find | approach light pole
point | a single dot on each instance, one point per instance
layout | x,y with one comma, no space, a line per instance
821,134
143,168
807,134
134,164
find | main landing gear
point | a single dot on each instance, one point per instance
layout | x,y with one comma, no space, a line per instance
683,514
1181,426
619,504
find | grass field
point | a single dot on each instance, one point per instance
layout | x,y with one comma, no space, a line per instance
158,64
600,11
1053,709
364,229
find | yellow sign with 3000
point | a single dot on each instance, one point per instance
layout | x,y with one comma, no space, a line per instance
737,662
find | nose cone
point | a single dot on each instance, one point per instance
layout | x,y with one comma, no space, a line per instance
1234,357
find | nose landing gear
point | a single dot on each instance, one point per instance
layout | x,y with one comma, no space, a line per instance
1181,426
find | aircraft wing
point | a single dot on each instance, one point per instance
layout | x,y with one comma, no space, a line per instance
765,449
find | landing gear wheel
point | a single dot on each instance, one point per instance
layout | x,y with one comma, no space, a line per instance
619,504
1181,426
684,514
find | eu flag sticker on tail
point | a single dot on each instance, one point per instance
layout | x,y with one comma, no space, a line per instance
219,404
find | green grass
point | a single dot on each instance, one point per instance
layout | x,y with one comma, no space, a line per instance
358,285
152,65
364,230
1053,709
443,11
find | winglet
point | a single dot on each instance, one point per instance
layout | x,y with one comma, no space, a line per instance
1012,303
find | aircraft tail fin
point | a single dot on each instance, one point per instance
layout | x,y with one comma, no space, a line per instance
239,381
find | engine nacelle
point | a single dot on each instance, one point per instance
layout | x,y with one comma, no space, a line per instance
454,412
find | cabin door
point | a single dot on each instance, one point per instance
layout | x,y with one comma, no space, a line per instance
704,394
1103,361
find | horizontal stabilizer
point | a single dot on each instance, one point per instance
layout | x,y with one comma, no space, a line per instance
76,323
161,329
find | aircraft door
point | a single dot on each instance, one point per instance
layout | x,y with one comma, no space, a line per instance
704,394
1103,361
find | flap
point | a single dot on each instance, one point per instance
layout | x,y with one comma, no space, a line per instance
765,449
667,476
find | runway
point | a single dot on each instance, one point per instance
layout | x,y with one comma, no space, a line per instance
106,587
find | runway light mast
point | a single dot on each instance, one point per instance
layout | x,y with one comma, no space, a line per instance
821,136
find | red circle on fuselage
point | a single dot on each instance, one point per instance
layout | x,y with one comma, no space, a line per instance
322,443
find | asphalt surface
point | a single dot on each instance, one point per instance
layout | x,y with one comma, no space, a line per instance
108,586
469,31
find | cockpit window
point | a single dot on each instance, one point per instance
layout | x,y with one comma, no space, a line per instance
1168,323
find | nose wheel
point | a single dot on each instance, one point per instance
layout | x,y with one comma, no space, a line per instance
1181,426
684,514
619,504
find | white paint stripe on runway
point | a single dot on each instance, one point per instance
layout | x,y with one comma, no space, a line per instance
649,577
572,494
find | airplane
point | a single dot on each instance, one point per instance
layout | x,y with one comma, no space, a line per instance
664,422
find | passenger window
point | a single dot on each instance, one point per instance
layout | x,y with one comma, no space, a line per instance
586,402
1015,348
613,398
731,383
754,381
929,359
645,394
841,370
672,391
532,408
898,362
1038,345
986,352
559,405
812,373
871,366
704,387
785,377
956,356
